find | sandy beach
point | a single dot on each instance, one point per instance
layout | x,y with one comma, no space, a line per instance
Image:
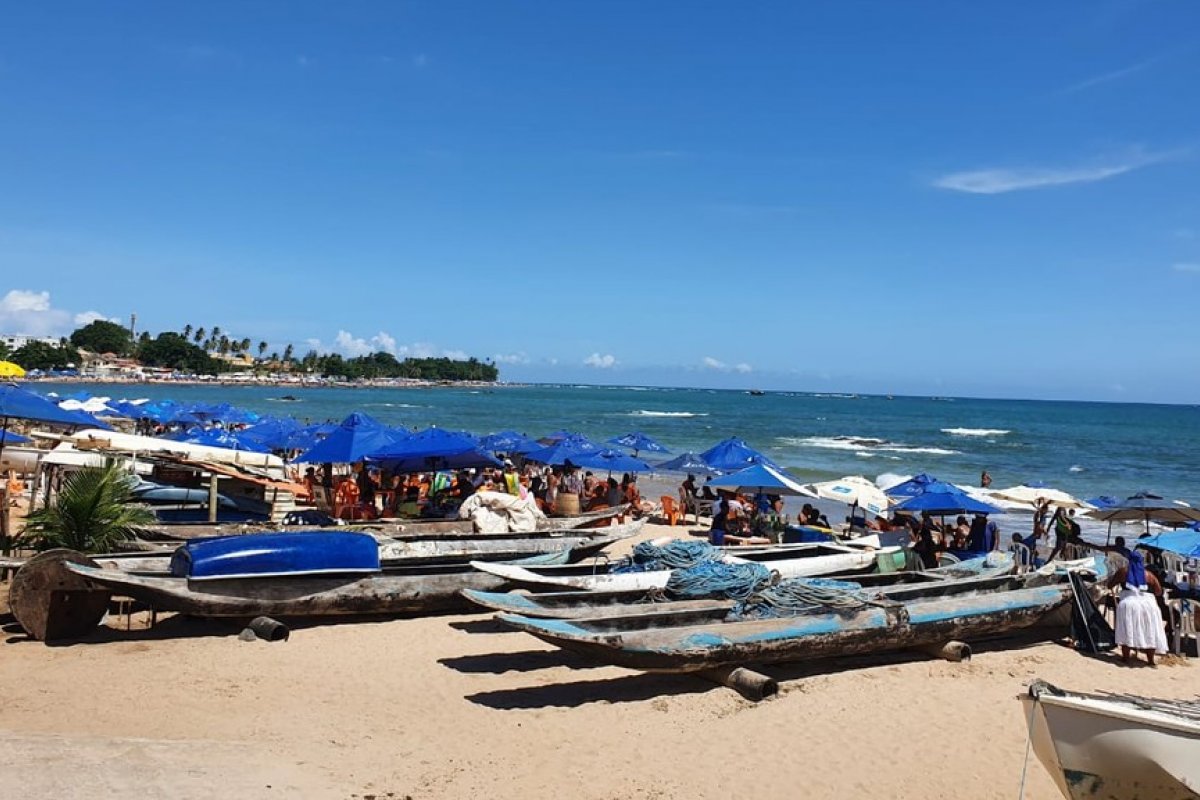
458,707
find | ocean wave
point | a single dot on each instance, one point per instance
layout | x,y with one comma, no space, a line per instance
975,431
865,443
1076,468
645,413
395,405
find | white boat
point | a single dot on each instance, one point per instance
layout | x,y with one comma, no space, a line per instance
790,561
1115,745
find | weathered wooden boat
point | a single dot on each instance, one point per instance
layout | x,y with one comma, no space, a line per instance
1115,745
790,561
583,604
892,619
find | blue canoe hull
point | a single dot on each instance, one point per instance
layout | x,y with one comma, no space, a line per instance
275,554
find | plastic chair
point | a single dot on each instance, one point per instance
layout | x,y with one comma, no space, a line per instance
1023,556
1183,621
345,501
670,510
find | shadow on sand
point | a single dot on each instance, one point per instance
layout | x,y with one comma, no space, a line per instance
525,661
625,689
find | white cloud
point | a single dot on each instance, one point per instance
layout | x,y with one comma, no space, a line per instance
998,181
88,317
600,361
353,346
1186,267
349,345
30,314
1114,75
455,355
712,363
743,368
511,358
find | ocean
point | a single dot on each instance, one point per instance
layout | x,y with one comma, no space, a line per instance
1084,448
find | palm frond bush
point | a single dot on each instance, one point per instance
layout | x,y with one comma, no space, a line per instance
91,513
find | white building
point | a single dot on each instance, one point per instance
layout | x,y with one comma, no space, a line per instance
16,341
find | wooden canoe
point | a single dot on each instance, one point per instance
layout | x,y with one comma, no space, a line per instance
790,561
906,617
583,604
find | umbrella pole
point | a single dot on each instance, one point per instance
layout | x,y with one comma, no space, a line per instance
5,521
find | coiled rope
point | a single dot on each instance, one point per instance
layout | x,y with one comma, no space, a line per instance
799,595
716,578
675,554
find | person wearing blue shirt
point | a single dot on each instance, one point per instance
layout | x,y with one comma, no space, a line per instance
983,536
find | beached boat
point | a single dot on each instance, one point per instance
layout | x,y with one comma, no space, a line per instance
790,561
582,604
1115,745
891,619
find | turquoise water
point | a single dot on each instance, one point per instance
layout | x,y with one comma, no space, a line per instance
1084,448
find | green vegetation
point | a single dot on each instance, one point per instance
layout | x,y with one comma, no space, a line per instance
91,513
385,365
40,355
103,336
174,351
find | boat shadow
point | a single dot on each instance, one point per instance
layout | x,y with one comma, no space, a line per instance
623,689
485,625
524,661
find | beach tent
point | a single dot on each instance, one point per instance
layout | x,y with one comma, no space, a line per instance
733,454
357,437
1032,492
613,461
564,450
762,478
943,499
853,490
638,442
689,462
911,487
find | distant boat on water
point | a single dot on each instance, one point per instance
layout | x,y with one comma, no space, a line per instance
756,392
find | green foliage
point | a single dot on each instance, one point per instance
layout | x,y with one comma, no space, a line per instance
174,351
39,355
5,352
92,512
103,336
385,365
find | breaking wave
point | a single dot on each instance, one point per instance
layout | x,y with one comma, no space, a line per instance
644,413
860,445
975,431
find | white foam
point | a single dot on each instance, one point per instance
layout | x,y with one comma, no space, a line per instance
856,444
644,413
975,431
1076,468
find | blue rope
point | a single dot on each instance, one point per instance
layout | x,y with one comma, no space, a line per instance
675,554
798,596
715,578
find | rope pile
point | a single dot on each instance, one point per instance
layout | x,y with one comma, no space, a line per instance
716,578
675,554
799,595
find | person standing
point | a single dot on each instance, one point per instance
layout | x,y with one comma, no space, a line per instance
1140,626
985,480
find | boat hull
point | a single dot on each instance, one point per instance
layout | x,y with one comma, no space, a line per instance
1098,749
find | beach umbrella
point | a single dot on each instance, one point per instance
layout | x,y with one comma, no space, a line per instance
357,437
758,478
429,443
10,370
1148,508
509,442
558,436
18,403
688,462
467,458
1031,493
278,433
733,454
613,461
216,437
853,490
568,449
911,487
638,442
1102,501
8,437
943,499
1184,542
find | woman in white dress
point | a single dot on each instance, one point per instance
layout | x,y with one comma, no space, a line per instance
1139,622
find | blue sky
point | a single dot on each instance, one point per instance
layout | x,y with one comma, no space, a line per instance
992,199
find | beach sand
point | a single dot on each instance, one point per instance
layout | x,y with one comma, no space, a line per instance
458,707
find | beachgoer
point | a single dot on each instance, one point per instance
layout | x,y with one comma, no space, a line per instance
925,546
366,486
985,480
1140,624
1066,530
983,536
689,486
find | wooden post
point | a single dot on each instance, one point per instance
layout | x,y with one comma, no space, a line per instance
212,498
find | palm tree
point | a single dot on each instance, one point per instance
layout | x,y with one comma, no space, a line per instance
223,345
244,344
287,353
187,331
216,333
91,513
262,348
199,337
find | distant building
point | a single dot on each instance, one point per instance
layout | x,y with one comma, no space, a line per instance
16,341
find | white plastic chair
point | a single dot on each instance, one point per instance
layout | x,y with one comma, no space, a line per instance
1183,621
1022,555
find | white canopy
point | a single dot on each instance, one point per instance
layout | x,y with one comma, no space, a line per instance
1031,495
852,490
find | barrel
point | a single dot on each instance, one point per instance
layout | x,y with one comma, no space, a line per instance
567,504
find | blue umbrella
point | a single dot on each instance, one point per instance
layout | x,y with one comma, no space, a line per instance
452,461
568,449
638,442
1185,542
215,437
942,499
277,433
357,437
613,461
429,443
733,454
8,437
912,487
509,442
558,436
688,462
758,478
18,403
1102,501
